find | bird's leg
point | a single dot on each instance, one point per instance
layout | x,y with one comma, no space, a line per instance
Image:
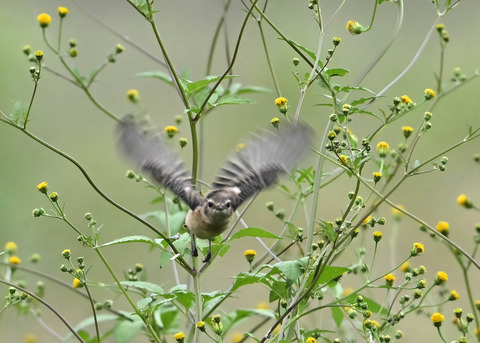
209,255
194,246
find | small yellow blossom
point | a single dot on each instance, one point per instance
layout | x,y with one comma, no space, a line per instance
397,215
377,176
405,267
241,146
377,236
437,319
311,340
30,338
171,130
429,94
42,187
237,337
250,255
44,19
442,277
275,122
179,337
464,201
343,159
383,148
11,247
66,253
62,12
453,295
407,131
262,305
406,99
281,103
443,227
14,260
77,283
367,220
201,326
133,95
389,279
354,27
417,249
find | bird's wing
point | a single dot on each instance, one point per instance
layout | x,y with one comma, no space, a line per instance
263,161
153,155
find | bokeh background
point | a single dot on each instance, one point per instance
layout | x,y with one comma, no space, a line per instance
63,116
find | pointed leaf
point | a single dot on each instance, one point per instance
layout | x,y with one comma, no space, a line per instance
252,232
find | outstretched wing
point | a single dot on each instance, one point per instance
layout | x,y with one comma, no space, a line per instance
263,161
153,155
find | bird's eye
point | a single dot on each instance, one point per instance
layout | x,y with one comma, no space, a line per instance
210,204
227,205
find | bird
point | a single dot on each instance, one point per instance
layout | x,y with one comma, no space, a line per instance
257,166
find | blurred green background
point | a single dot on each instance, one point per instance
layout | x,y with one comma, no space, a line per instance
63,116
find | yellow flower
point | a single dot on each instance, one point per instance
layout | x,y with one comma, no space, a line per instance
281,103
30,338
171,130
275,122
437,319
377,236
405,267
241,146
42,187
397,215
250,255
442,277
389,279
354,27
407,131
77,283
429,94
367,220
201,326
406,99
377,176
179,337
453,295
14,260
383,148
262,305
11,247
66,253
464,201
311,340
343,159
417,249
442,227
62,12
237,337
133,95
44,19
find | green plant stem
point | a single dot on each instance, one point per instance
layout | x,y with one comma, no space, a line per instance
215,37
47,305
59,41
127,296
267,56
94,311
182,262
466,280
230,66
32,97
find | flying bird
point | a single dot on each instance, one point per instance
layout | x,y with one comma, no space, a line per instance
257,166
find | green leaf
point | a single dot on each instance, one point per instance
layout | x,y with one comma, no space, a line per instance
125,331
145,286
252,232
132,239
157,75
248,279
362,100
336,72
278,291
237,316
251,89
233,100
304,49
175,220
197,85
337,315
292,270
330,273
